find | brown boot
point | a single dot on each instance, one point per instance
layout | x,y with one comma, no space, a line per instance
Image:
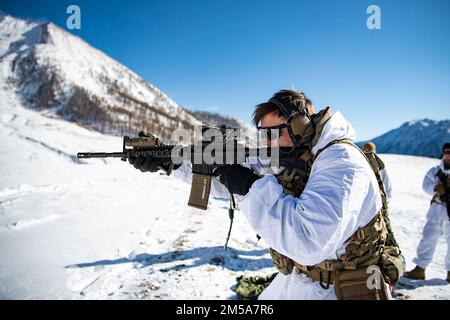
448,276
417,273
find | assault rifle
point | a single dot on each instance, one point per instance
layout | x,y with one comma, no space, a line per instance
217,148
446,197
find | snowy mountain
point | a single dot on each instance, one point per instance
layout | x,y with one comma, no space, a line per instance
51,69
216,119
421,138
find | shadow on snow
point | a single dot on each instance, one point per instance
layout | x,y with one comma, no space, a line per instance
231,259
409,284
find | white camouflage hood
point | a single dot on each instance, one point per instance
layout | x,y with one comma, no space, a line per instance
336,128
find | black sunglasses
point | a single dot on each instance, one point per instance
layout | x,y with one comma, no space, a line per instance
266,132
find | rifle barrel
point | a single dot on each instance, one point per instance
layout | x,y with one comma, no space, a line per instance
84,155
165,152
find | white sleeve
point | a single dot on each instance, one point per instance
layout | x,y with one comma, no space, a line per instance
387,183
340,196
430,181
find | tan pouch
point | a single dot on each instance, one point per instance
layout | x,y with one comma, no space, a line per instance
356,285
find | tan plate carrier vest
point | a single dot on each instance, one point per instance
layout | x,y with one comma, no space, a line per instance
371,245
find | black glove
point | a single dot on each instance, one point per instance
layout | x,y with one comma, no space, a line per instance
236,178
144,163
151,164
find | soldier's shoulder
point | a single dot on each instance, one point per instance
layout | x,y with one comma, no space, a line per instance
434,170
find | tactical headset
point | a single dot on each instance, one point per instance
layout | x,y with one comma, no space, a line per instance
300,124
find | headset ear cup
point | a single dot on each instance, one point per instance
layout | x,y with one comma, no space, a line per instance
300,127
308,133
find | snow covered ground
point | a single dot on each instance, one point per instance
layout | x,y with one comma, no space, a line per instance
101,229
94,229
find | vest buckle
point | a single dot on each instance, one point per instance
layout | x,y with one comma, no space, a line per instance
360,234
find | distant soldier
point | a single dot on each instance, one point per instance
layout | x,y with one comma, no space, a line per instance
371,147
436,183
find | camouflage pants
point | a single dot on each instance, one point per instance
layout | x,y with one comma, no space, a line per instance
249,288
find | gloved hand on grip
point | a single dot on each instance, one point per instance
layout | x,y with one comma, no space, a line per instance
144,163
237,179
150,164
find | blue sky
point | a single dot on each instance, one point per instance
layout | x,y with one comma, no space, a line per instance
228,55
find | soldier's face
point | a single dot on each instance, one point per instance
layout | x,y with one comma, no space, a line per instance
271,120
447,156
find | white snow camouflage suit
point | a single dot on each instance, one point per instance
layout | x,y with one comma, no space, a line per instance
341,184
437,223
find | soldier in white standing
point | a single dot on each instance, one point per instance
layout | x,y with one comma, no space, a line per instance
436,183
